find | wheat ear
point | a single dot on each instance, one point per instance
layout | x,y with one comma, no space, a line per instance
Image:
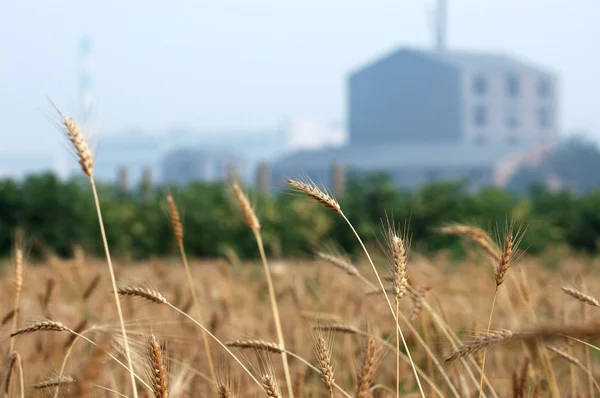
158,370
584,298
323,355
255,344
86,161
367,368
18,288
54,382
270,386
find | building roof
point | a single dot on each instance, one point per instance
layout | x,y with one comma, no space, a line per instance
468,60
413,156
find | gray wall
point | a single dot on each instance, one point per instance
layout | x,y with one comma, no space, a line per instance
406,97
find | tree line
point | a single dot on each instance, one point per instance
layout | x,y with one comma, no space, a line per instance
56,215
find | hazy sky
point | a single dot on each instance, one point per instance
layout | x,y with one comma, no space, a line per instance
252,63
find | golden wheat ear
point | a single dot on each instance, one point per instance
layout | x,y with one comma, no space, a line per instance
157,368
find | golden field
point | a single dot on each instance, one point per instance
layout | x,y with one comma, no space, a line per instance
234,304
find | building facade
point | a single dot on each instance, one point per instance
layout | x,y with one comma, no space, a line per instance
421,116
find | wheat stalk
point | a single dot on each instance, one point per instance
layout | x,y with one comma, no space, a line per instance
340,263
254,225
178,233
86,161
91,287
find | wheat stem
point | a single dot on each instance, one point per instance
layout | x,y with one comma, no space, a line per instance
114,286
388,301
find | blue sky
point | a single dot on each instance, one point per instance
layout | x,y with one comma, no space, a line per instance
251,64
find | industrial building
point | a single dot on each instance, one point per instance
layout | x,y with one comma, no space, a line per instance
423,115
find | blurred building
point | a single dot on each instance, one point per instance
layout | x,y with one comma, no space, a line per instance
413,96
425,115
182,166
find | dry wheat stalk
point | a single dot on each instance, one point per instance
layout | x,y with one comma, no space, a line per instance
565,355
321,316
418,302
520,380
54,382
255,344
323,354
367,369
299,382
584,298
175,219
18,270
86,161
312,190
158,371
245,206
482,343
142,292
477,235
466,230
50,283
78,330
341,263
91,287
18,287
92,369
270,386
375,292
9,316
12,358
224,391
337,327
45,326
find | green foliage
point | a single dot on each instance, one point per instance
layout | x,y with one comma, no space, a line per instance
57,214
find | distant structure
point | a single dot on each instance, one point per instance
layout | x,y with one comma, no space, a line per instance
422,115
413,96
183,166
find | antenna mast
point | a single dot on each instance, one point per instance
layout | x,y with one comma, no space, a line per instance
440,42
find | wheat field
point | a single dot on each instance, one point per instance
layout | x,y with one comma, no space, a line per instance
234,298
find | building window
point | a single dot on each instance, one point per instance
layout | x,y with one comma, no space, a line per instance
512,85
480,116
543,117
512,121
543,88
480,86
